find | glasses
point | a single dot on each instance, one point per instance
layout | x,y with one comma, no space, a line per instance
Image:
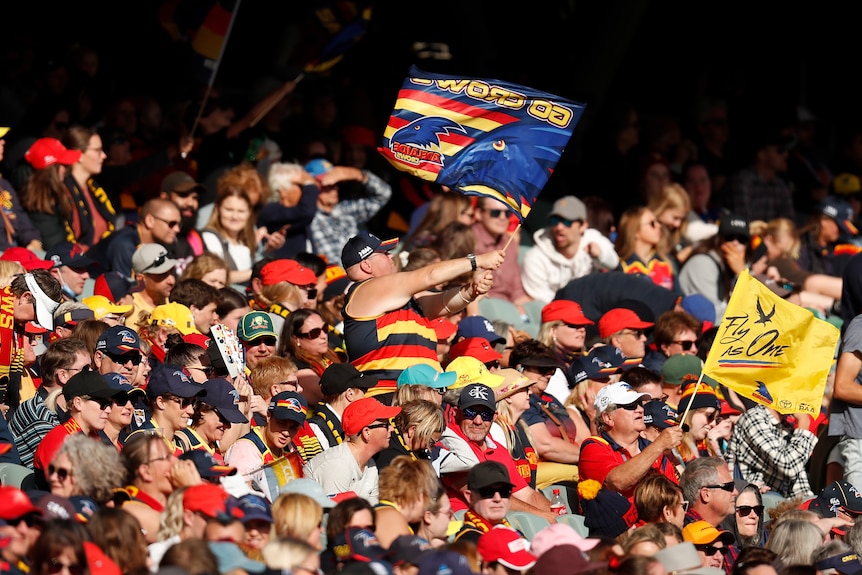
686,343
736,238
87,367
710,550
104,402
745,510
290,382
574,326
124,358
442,390
638,333
684,505
485,414
312,291
376,425
729,486
206,370
55,566
175,224
498,213
267,340
555,220
163,257
633,405
184,402
652,224
162,458
492,364
489,492
314,333
545,371
63,474
710,417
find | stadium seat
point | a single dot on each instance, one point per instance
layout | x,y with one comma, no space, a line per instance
576,522
527,523
17,476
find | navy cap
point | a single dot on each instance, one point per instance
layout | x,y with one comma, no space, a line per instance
222,395
839,210
478,326
361,246
69,254
206,464
477,394
289,406
118,340
358,544
89,383
602,362
659,414
172,379
119,382
255,508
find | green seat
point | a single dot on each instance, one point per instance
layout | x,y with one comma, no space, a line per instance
16,476
496,308
576,522
527,523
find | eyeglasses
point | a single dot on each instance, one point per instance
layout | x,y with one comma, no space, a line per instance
684,505
745,510
555,220
267,340
162,458
686,343
87,367
442,390
729,486
55,566
545,371
574,326
290,382
485,414
314,333
163,257
633,405
710,550
170,223
489,492
63,474
104,402
312,291
184,402
376,425
497,213
653,224
30,519
638,333
124,358
710,417
492,364
206,369
736,237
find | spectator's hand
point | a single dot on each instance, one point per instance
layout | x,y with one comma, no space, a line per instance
184,473
721,430
258,405
490,260
594,249
734,256
341,174
186,144
274,241
670,438
519,335
480,284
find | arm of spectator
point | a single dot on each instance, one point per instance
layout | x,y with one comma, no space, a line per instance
782,459
260,109
528,499
601,249
276,216
553,448
626,475
534,275
846,387
26,232
363,209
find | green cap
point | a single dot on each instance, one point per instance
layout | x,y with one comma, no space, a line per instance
255,324
681,367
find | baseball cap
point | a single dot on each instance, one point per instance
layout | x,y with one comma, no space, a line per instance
152,259
570,208
703,532
118,340
289,406
659,414
206,464
847,183
443,328
16,503
309,487
477,326
838,494
120,382
181,183
224,397
681,368
255,324
72,316
408,549
468,369
477,394
559,534
55,507
114,286
339,377
839,210
602,362
699,307
318,166
566,311
207,498
618,319
175,380
423,374
513,382
440,562
358,544
487,473
683,558
477,347
619,393
46,152
845,563
26,258
89,383
505,546
254,508
361,246
102,306
733,225
285,270
173,314
69,254
364,412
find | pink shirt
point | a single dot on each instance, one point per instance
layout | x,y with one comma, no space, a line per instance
507,278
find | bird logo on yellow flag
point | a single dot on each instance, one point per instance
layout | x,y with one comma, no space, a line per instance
772,351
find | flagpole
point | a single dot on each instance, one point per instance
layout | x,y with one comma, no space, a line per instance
691,401
284,91
512,237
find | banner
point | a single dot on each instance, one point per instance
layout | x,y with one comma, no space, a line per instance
772,351
480,137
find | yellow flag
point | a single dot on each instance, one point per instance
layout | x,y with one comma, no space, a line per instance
772,351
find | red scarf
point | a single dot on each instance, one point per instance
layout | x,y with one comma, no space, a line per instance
11,349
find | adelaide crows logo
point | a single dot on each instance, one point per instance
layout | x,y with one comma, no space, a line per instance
419,141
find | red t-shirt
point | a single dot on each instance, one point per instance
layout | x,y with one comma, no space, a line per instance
599,455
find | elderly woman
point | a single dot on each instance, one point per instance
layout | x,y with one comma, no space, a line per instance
746,523
407,487
564,329
85,467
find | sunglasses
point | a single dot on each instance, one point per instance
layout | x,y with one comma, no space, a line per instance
314,333
169,223
104,402
267,340
55,566
485,414
124,358
710,550
729,486
686,343
498,213
62,473
489,492
30,519
291,382
635,332
442,390
736,237
184,402
710,417
554,220
312,291
745,510
684,505
574,325
545,371
652,224
492,364
633,405
163,257
376,425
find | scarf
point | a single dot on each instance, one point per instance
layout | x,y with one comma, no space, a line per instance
11,350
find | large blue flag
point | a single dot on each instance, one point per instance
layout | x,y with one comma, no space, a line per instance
478,136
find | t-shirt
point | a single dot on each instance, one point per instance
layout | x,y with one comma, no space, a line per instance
845,418
337,471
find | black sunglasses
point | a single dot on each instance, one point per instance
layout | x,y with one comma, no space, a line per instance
264,339
442,390
314,333
686,343
745,510
104,402
554,220
729,486
710,550
184,402
124,358
633,405
492,364
55,566
489,492
62,473
574,325
485,414
169,223
497,213
376,425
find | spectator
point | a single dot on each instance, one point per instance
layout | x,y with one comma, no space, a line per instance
710,491
71,268
623,329
16,229
304,339
489,492
639,245
286,286
564,329
291,208
257,336
159,223
341,384
747,524
675,332
155,269
18,527
181,189
200,298
209,268
713,545
118,350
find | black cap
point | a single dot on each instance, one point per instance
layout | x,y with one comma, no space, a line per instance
477,394
361,246
339,377
488,473
89,383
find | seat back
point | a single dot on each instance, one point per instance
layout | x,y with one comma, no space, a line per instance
527,523
576,522
16,476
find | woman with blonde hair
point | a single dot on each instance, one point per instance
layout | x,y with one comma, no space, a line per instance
291,555
795,541
699,421
671,207
658,499
406,488
509,430
416,430
298,516
8,271
230,232
209,268
639,245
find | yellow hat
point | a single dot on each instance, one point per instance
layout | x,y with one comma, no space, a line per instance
703,533
174,315
471,370
102,306
3,131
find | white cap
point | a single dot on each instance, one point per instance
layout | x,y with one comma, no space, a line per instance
617,393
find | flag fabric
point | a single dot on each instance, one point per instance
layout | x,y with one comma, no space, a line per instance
345,24
481,137
772,351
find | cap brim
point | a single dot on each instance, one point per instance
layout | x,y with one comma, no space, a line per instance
522,561
232,414
220,471
539,362
387,245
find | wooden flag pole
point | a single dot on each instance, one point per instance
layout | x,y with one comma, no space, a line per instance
691,401
511,237
281,94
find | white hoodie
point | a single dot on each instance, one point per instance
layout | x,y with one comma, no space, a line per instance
545,270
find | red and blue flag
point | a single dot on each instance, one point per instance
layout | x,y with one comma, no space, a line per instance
480,137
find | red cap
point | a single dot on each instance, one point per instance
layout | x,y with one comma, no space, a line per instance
26,258
197,339
49,151
16,503
506,546
444,328
5,447
727,409
33,328
365,412
98,562
618,319
477,347
206,498
566,311
286,271
344,496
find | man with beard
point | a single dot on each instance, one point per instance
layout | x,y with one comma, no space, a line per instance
185,192
159,223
